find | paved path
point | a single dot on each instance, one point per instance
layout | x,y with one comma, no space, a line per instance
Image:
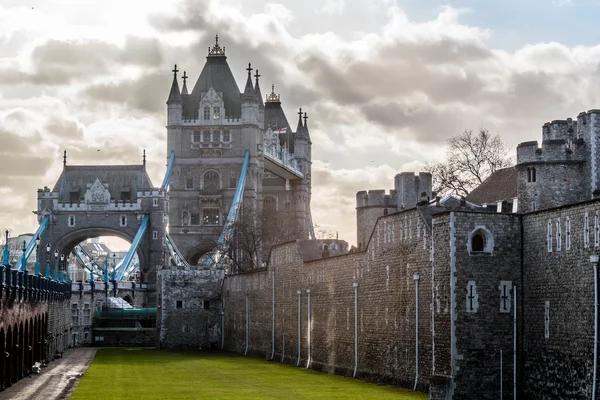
57,381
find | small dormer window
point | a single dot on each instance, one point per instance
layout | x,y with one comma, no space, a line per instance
207,112
217,112
126,195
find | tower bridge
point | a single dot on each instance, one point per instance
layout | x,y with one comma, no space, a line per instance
234,163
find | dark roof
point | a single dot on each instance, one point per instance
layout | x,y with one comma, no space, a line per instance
174,94
132,178
500,186
215,74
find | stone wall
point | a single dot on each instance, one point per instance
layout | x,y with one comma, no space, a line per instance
384,276
558,336
189,312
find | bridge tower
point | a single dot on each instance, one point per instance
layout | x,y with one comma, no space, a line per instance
210,129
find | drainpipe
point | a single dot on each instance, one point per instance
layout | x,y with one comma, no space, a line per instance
416,277
299,293
309,326
283,349
246,352
594,261
515,344
273,317
355,284
501,375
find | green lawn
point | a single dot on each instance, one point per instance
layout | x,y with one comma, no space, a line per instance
153,374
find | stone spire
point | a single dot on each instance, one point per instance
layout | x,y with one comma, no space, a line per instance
249,93
175,94
257,91
300,127
184,89
306,128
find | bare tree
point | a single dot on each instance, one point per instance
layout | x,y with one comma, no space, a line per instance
470,159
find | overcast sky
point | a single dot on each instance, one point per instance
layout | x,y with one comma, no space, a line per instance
384,82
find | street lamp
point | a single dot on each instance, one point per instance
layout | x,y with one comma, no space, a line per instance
37,256
62,268
56,264
48,248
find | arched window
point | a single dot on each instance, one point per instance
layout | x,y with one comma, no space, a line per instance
71,220
122,220
533,175
481,241
189,183
269,204
206,112
211,180
216,112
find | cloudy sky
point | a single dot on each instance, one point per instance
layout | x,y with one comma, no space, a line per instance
384,82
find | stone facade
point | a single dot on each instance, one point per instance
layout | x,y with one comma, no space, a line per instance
190,310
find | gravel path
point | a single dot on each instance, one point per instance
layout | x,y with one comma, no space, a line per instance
57,381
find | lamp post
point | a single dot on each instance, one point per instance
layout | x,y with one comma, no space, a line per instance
37,256
48,248
62,268
56,265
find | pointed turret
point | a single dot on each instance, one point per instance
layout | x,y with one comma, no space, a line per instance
249,93
184,90
261,106
306,129
175,94
276,120
300,127
174,103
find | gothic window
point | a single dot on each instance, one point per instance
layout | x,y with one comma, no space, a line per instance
206,136
195,219
122,220
226,136
210,216
480,241
269,204
71,220
189,183
211,180
232,183
549,239
196,137
206,112
216,112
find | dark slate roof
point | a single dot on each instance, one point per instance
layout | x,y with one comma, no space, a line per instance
174,94
500,186
215,74
120,178
258,94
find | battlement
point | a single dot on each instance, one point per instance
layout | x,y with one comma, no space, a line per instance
559,130
410,187
552,151
378,198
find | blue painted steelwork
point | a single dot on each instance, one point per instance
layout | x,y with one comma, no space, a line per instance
79,252
220,251
31,245
176,258
134,246
6,254
167,179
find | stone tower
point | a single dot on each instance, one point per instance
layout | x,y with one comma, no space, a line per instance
210,130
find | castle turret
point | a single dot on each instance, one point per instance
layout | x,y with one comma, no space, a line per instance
184,89
411,188
261,105
249,101
174,103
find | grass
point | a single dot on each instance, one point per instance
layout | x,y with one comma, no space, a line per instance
153,374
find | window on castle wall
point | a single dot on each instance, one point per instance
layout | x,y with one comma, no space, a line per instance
123,221
210,216
385,211
206,136
195,219
533,175
226,136
269,204
481,241
71,220
179,304
189,183
232,183
206,304
206,112
216,112
196,136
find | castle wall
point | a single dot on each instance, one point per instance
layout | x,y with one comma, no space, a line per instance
386,311
473,313
370,205
558,333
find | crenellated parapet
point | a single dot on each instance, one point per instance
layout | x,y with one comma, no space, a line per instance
552,151
375,198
